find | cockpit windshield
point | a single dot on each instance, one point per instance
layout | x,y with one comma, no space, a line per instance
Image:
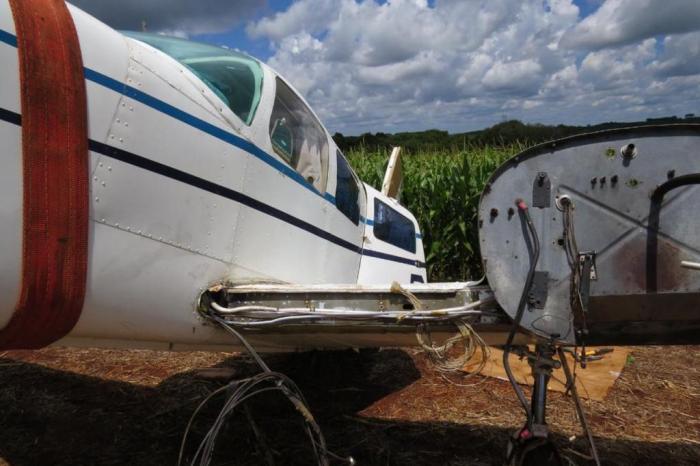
234,77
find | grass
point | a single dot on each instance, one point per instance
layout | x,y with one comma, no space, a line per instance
442,189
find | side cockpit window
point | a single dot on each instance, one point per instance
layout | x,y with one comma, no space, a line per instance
347,193
394,228
234,77
298,138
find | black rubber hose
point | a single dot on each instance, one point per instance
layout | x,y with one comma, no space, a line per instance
525,215
653,224
673,183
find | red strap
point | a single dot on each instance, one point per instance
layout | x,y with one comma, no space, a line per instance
55,175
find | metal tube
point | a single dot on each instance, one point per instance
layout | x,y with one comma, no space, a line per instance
309,318
447,312
690,265
539,397
571,382
525,215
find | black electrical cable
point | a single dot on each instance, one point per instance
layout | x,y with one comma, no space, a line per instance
525,215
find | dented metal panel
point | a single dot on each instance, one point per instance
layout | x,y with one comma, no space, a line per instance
638,293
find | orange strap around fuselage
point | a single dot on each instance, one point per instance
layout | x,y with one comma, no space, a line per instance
55,175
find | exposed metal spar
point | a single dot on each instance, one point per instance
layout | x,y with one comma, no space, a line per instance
260,316
255,307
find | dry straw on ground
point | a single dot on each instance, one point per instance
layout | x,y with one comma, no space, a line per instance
82,406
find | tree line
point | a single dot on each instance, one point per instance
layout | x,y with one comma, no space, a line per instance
502,134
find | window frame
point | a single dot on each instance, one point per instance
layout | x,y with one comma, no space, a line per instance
168,45
398,215
341,160
292,102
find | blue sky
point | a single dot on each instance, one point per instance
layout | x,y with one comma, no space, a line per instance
238,38
457,65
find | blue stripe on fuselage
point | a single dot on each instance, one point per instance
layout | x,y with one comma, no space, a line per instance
201,125
190,120
201,183
227,137
8,38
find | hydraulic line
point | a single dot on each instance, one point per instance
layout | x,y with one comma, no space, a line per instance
446,312
673,183
267,316
524,215
654,221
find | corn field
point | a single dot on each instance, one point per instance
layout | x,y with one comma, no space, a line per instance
442,189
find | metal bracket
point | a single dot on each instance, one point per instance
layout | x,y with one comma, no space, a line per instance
588,272
537,297
542,191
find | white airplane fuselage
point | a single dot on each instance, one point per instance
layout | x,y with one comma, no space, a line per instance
185,192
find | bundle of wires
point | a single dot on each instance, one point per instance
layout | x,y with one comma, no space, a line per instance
270,381
572,253
243,390
438,353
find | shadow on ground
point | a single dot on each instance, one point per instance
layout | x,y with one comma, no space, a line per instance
54,417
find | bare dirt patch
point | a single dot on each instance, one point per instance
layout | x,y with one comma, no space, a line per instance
89,406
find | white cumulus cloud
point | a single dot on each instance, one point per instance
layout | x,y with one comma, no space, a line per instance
619,22
461,65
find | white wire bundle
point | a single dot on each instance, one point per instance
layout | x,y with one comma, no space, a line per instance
243,390
438,354
251,316
572,255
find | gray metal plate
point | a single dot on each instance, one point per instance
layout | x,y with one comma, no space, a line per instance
611,219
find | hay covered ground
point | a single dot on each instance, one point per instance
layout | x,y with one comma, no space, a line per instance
108,407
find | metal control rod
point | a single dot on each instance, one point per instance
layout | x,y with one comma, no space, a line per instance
690,265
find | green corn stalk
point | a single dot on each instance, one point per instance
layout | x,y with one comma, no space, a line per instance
442,188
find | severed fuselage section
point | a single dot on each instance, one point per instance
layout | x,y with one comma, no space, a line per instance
617,216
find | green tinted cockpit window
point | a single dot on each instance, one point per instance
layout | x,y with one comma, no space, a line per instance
234,77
